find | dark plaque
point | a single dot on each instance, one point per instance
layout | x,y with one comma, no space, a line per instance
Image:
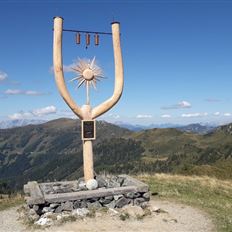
88,130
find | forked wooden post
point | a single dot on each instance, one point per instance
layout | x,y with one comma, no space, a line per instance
86,112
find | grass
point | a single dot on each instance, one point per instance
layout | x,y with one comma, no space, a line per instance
7,201
210,194
124,216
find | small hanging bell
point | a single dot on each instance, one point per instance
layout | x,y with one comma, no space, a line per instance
87,38
96,39
78,38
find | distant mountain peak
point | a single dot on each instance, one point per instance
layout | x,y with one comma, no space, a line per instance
20,122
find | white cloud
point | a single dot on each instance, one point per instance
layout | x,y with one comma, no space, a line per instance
115,116
32,92
23,92
144,116
3,76
44,111
194,115
20,115
34,113
166,116
216,113
179,105
66,68
184,104
227,114
190,115
13,91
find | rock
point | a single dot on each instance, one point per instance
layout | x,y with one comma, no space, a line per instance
116,197
122,202
47,209
125,183
65,214
144,205
76,204
138,201
62,215
33,215
36,207
112,212
93,199
31,212
106,200
158,210
67,206
54,205
47,215
120,180
130,195
133,211
44,221
81,212
155,209
137,194
58,209
81,179
101,182
58,217
173,220
94,205
111,205
91,184
146,196
82,186
83,204
113,184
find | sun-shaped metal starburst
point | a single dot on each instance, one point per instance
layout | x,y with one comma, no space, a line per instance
89,74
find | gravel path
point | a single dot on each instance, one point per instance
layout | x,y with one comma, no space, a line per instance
9,221
174,217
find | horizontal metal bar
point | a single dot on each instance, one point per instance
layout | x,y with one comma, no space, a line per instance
90,32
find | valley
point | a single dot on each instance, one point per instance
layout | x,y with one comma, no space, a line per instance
53,151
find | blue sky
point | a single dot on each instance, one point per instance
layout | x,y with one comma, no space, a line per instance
177,59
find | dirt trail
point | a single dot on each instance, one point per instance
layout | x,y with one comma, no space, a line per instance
177,217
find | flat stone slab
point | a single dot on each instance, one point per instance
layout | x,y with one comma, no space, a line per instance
62,191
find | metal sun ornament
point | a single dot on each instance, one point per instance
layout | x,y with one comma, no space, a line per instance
89,74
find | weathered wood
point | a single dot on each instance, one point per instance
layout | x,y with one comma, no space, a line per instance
134,186
35,193
61,197
140,186
26,189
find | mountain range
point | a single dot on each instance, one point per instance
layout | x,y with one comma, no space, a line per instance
53,151
195,128
19,122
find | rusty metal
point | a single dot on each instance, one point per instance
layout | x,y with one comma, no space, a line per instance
96,39
87,39
78,38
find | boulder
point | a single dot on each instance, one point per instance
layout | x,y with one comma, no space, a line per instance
67,206
122,202
133,210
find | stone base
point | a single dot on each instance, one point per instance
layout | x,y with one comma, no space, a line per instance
112,192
